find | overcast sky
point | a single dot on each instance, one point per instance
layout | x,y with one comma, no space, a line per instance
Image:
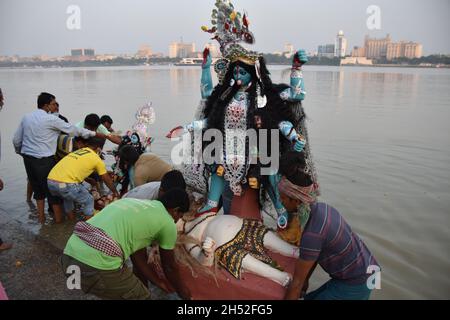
32,27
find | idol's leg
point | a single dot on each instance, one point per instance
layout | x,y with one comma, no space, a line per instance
253,265
275,197
215,192
277,245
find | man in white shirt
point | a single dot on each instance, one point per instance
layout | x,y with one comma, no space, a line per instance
153,190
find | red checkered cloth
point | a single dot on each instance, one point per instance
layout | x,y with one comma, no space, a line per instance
98,239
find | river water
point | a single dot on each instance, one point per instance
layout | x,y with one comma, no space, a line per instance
380,139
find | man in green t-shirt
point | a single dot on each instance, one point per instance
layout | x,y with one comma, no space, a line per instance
126,228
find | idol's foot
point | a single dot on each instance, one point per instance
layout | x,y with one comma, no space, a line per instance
206,210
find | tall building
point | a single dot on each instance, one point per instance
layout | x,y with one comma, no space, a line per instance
394,50
82,52
181,50
413,50
81,55
341,45
326,51
89,52
358,52
404,49
144,51
376,48
289,50
76,52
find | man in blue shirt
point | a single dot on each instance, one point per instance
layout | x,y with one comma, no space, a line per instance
36,140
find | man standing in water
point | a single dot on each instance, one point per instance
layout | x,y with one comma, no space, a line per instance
3,246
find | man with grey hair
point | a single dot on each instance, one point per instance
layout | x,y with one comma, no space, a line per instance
3,246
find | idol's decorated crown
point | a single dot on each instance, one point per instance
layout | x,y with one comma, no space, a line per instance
231,28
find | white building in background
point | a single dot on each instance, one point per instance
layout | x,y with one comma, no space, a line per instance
356,61
181,50
403,49
340,45
289,50
144,51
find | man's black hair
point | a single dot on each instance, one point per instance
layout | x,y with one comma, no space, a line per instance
92,120
95,142
106,118
291,162
292,166
300,179
175,198
129,155
173,180
44,98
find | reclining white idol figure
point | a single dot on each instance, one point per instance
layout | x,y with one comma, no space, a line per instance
237,245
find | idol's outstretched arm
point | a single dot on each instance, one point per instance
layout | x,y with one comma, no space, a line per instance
206,84
297,82
288,130
191,127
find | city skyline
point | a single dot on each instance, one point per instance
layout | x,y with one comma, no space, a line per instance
338,49
121,27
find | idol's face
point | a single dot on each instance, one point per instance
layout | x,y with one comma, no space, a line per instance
240,74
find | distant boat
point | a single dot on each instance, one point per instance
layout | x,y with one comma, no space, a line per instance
188,62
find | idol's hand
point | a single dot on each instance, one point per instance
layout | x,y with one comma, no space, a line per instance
176,132
193,126
206,83
209,247
299,143
288,130
207,60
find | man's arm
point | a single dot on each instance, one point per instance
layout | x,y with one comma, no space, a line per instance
71,129
110,184
114,139
173,274
301,277
107,135
18,138
139,260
